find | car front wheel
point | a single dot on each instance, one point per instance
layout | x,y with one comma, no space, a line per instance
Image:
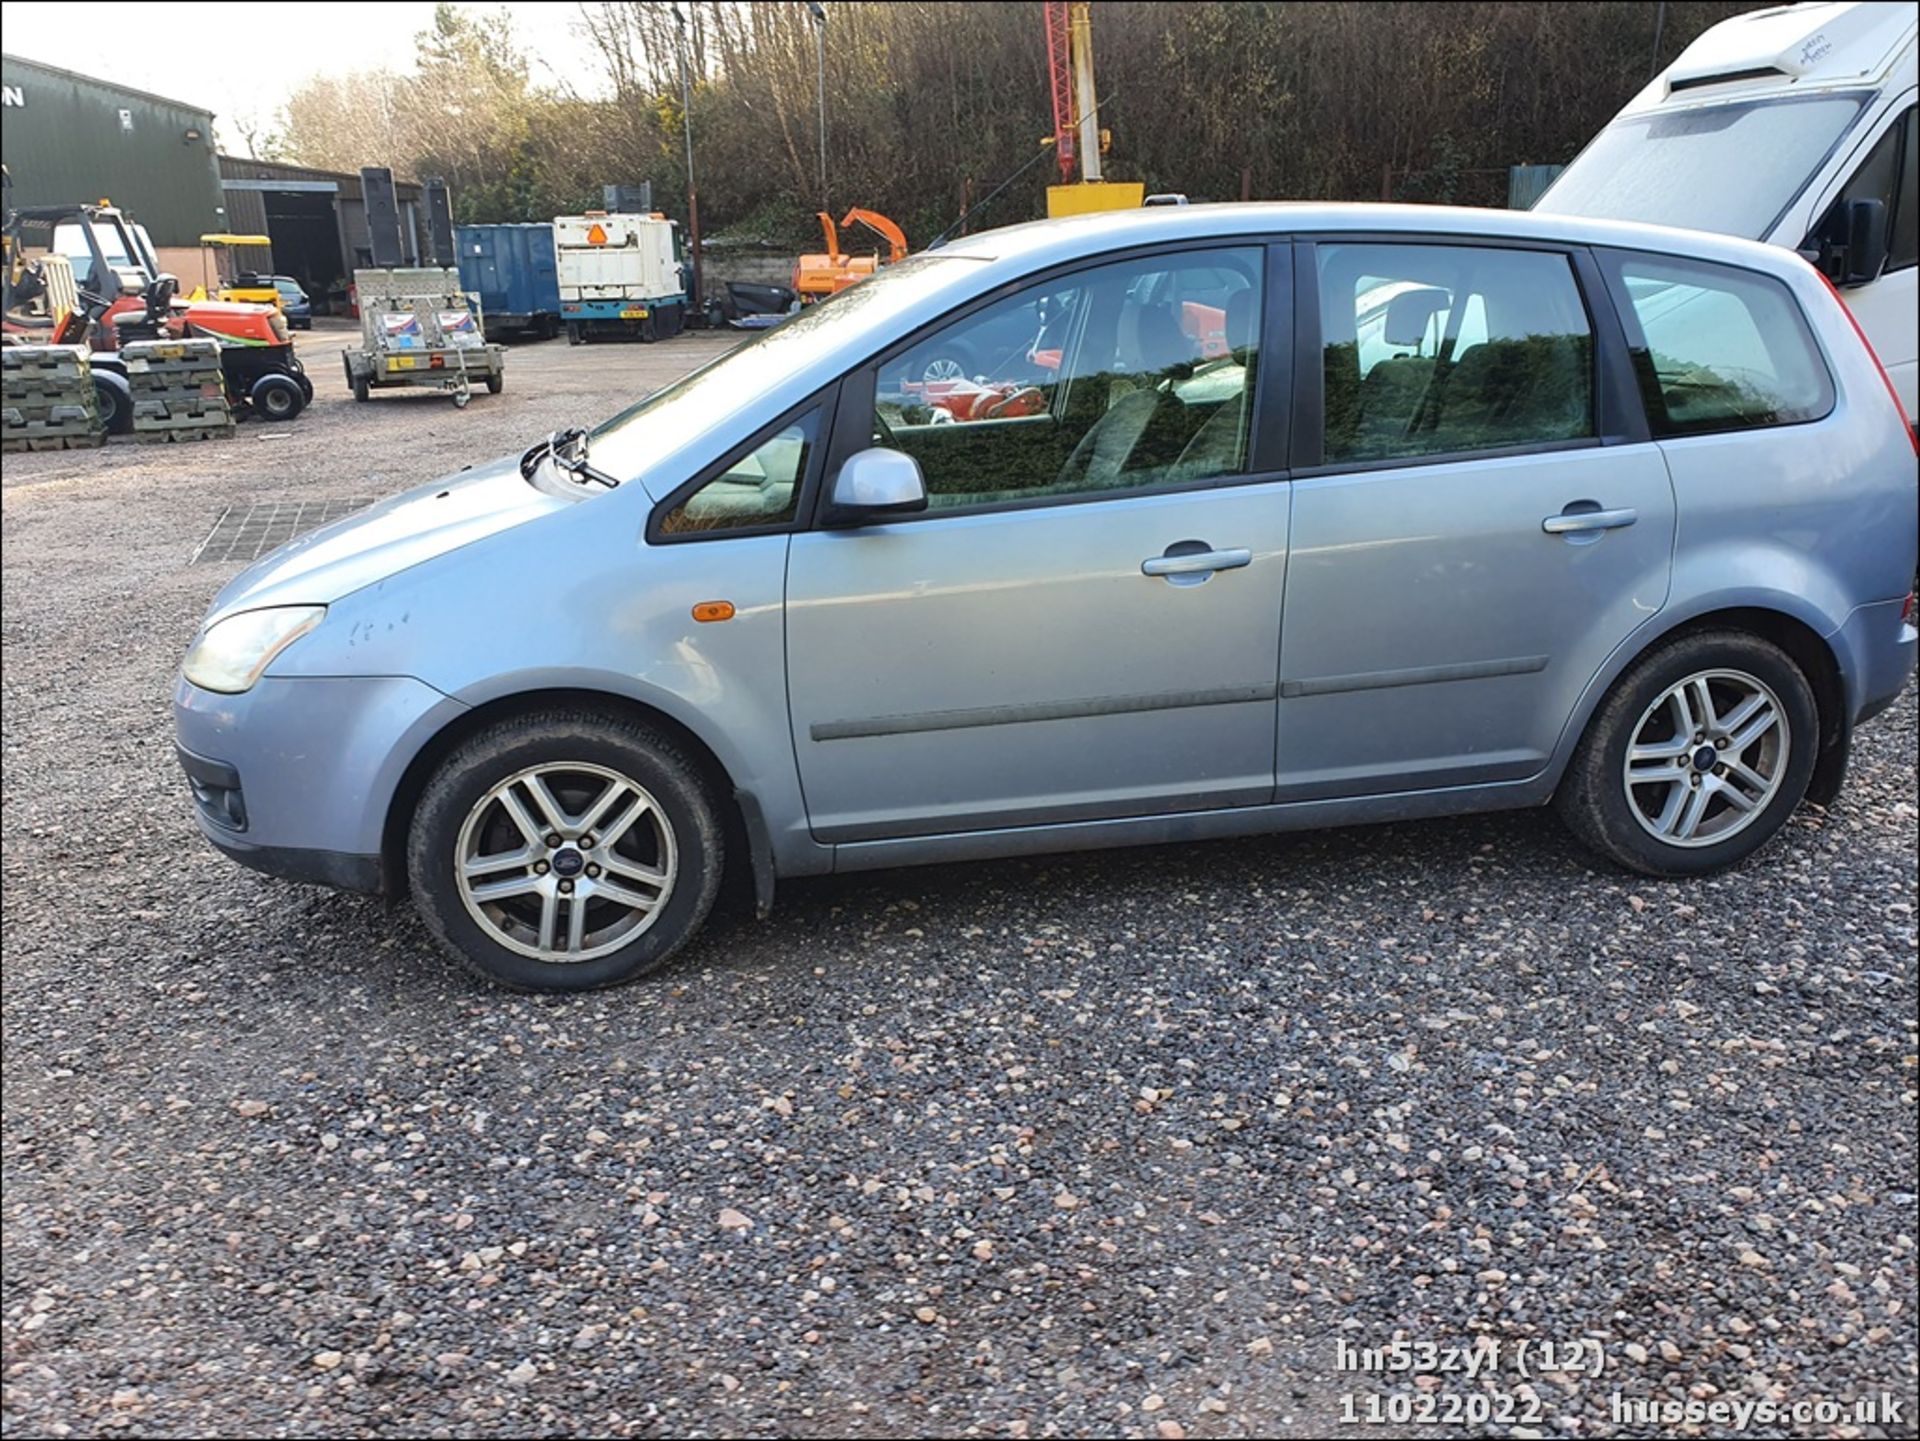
562,851
1698,755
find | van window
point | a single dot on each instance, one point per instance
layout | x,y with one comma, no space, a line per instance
1904,246
1886,175
1719,349
1438,349
1733,169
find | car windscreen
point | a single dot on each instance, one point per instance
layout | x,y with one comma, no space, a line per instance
624,445
1733,169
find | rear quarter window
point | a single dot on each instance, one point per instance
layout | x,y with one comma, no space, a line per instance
1717,349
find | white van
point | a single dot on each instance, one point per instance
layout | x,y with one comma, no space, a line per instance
1793,125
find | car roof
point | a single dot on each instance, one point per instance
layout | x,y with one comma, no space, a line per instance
1060,241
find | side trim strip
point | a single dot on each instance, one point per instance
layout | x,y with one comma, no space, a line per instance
1418,675
1000,715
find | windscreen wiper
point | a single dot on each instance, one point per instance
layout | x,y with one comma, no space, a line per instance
568,451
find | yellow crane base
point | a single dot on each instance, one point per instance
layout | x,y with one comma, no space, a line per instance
1094,195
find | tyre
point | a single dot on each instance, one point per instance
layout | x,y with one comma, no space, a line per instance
496,383
277,397
564,851
575,335
362,390
116,409
1696,758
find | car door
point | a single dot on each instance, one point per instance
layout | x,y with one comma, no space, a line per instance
1085,621
1479,518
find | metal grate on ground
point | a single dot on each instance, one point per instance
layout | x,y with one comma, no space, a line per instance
247,532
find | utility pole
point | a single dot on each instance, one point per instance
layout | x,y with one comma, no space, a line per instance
819,13
693,195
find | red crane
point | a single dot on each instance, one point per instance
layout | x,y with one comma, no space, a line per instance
1060,77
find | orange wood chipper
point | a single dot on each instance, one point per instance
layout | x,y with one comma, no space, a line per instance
817,276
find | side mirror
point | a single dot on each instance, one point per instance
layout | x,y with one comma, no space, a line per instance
874,484
1866,222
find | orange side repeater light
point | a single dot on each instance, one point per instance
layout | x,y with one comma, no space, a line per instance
711,610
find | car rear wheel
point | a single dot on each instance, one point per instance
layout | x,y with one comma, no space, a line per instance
564,852
1698,755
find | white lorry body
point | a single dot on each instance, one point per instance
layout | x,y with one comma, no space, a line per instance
618,272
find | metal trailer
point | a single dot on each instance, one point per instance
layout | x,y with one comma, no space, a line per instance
418,327
511,268
621,275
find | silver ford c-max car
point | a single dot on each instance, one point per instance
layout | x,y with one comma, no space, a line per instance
1238,519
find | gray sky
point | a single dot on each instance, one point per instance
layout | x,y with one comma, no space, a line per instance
275,46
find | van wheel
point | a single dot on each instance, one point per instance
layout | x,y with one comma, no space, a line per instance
563,851
1696,758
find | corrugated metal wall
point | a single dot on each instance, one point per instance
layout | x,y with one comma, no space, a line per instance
68,138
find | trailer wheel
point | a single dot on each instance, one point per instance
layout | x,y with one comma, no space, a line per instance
496,383
361,389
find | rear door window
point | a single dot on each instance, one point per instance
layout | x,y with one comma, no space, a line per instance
1443,349
1718,349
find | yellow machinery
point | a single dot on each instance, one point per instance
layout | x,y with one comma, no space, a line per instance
1077,136
221,277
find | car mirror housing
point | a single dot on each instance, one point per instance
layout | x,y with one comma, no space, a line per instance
876,483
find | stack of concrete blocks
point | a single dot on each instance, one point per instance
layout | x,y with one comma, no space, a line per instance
178,390
48,401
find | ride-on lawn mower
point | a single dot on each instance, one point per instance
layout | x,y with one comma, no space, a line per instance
124,296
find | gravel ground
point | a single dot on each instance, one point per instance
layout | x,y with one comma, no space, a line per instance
1112,1144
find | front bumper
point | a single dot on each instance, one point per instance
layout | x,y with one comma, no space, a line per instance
296,776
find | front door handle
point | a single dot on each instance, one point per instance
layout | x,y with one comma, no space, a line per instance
1194,562
1574,522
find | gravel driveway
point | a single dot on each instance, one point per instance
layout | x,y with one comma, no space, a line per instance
1112,1144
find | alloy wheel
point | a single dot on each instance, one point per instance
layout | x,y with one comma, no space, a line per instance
565,861
1707,758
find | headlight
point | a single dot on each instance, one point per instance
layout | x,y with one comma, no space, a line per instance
230,655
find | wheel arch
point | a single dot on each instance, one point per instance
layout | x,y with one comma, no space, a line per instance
742,822
1782,625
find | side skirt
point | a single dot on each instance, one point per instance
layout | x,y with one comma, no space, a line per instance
1191,825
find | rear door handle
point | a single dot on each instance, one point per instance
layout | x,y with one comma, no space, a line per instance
1199,562
1573,522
